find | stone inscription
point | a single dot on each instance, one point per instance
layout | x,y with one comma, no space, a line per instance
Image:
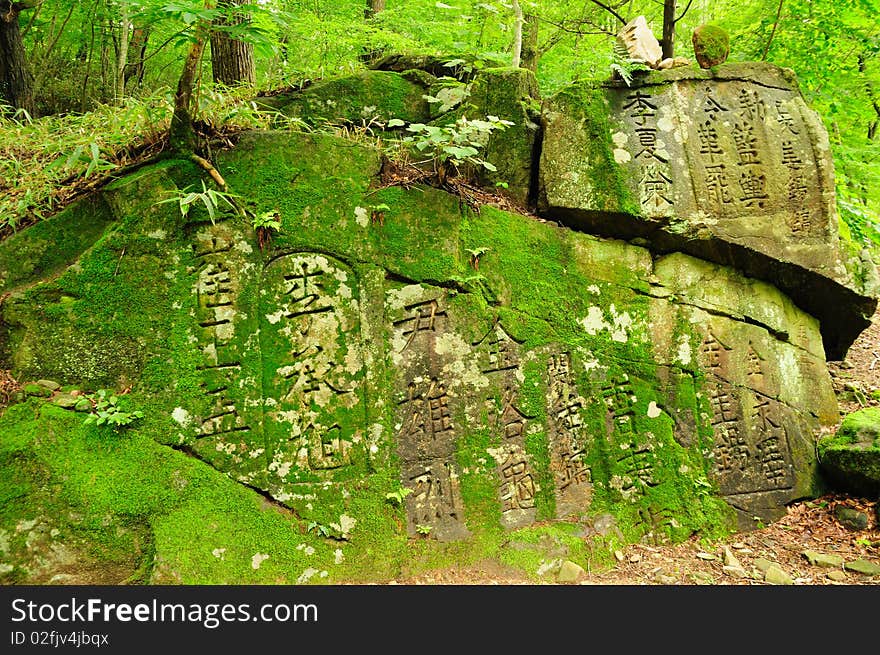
751,452
730,150
215,315
312,366
426,438
498,354
572,477
655,181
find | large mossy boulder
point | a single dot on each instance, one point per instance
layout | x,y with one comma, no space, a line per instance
850,460
727,164
562,377
362,99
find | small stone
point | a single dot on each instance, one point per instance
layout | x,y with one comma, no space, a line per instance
863,566
665,579
706,556
570,572
763,564
83,405
821,559
851,519
775,575
618,555
730,559
702,578
49,384
65,400
635,558
33,389
735,571
837,576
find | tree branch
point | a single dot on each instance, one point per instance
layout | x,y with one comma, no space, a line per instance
610,11
773,32
690,2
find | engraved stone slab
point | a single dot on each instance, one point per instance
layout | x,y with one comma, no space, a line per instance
730,166
426,425
312,367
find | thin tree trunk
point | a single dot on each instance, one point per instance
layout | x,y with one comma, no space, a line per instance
181,133
122,54
668,41
530,52
140,36
373,8
517,34
232,62
84,98
773,31
16,80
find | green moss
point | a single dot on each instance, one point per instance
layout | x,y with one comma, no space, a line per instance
48,246
361,98
711,44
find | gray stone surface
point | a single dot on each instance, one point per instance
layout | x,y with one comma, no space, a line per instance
730,166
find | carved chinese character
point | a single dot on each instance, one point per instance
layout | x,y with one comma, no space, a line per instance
751,105
746,144
423,317
790,158
306,290
709,145
753,188
517,485
428,412
641,108
327,449
655,187
223,417
574,469
785,118
712,108
716,184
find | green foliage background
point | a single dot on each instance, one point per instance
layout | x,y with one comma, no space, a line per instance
832,45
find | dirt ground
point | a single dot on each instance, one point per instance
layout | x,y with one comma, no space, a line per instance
808,525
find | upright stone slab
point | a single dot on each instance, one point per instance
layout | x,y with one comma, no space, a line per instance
730,166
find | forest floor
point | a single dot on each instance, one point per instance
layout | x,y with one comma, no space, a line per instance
809,525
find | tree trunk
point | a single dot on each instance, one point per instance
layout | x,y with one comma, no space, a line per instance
668,42
530,52
140,36
16,81
122,53
181,133
232,62
373,7
517,34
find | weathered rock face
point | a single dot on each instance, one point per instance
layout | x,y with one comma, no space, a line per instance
729,166
850,460
434,372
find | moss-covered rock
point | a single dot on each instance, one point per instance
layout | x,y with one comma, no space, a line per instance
728,165
711,45
358,99
850,460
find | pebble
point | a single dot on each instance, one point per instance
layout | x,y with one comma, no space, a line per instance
837,576
821,559
706,556
863,566
775,575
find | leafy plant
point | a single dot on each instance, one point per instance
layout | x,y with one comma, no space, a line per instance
396,497
423,530
106,411
623,65
210,198
451,146
377,213
321,529
475,254
265,224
